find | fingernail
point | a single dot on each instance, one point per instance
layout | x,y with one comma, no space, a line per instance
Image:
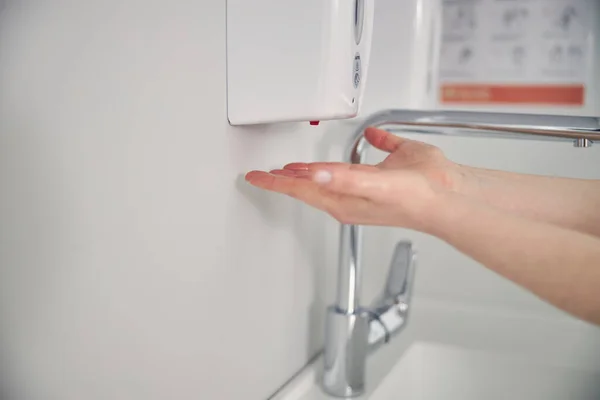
281,172
297,167
322,177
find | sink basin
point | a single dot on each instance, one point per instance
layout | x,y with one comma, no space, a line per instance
430,371
449,351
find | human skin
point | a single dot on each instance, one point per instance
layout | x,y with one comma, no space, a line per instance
548,227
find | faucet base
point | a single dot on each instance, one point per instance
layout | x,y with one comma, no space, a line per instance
346,351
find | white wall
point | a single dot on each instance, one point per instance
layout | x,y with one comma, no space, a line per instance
134,262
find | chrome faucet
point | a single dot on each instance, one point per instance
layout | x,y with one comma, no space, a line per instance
353,331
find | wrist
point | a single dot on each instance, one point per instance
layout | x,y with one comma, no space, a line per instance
467,181
444,213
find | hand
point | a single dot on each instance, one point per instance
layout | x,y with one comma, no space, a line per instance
399,191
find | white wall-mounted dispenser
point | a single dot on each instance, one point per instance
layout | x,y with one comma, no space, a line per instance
296,60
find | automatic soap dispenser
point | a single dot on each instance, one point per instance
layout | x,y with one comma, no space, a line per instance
296,60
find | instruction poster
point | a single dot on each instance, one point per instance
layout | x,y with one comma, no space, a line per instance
518,51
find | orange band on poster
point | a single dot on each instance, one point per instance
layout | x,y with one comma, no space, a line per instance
513,94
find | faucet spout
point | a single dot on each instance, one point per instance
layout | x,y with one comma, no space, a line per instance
352,331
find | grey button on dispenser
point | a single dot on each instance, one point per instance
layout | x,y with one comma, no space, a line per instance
356,71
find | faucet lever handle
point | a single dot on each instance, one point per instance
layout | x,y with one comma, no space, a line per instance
398,285
389,313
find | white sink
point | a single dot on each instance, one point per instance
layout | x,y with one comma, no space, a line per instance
458,353
431,371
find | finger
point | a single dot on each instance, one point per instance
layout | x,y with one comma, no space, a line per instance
268,181
410,151
299,174
390,143
282,172
383,140
297,166
320,165
349,209
302,189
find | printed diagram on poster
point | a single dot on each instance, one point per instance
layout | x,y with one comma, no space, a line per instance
514,18
564,18
459,17
516,51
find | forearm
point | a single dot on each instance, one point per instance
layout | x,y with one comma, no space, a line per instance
559,265
570,203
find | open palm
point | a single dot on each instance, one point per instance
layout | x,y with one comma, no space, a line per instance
395,192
